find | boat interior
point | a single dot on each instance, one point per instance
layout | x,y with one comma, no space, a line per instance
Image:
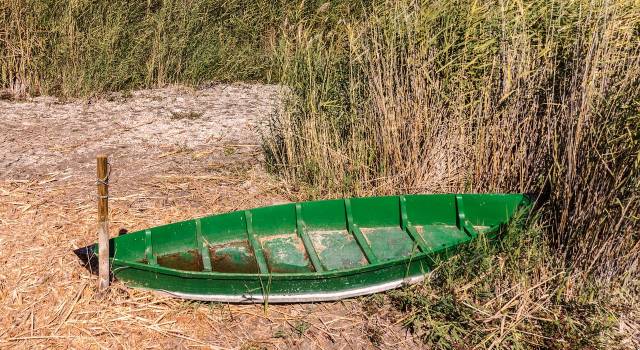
320,236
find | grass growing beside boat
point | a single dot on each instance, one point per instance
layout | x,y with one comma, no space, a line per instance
510,294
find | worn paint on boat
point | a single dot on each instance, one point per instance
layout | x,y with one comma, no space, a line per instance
309,251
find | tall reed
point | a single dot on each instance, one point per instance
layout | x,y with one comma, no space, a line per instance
449,96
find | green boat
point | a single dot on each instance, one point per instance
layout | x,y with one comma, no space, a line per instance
307,252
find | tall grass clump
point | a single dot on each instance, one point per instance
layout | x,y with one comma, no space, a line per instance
534,96
84,47
81,47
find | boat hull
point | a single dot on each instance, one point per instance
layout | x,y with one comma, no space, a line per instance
307,252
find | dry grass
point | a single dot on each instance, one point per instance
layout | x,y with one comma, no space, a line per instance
48,209
48,300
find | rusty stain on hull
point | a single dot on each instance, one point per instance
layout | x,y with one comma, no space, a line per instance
190,260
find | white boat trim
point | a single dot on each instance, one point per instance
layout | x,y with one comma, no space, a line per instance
296,298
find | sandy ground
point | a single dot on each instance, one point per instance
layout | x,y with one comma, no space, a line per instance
176,153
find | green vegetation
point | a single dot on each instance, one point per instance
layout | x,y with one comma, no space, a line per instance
509,294
405,96
81,47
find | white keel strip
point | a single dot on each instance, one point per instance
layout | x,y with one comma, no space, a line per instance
297,298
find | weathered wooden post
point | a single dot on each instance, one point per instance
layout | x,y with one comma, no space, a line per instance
103,222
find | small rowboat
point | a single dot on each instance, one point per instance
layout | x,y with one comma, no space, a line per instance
309,251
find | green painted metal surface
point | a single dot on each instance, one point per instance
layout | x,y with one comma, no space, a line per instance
313,249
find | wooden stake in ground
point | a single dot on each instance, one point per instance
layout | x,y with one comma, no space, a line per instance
103,222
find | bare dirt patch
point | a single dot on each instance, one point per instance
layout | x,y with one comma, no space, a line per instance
177,153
